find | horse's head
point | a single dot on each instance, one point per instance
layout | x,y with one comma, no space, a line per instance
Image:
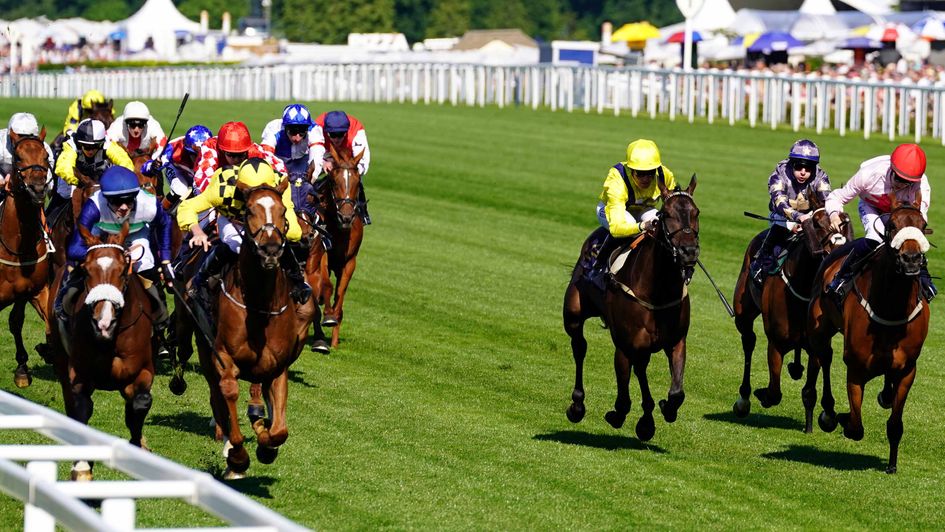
103,112
107,268
148,183
679,223
905,237
345,182
264,223
820,238
30,165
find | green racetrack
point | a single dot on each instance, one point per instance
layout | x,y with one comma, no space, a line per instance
444,406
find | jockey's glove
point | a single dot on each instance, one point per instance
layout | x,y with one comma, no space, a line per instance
148,167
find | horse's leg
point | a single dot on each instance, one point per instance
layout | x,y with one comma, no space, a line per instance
677,367
21,376
887,394
618,415
852,422
894,424
796,368
255,409
828,416
340,291
183,332
574,327
744,322
645,426
237,459
82,407
771,396
270,437
39,305
138,400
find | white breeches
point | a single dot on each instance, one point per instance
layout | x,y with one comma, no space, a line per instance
645,217
872,223
229,234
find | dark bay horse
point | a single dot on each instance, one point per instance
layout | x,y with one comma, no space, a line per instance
24,253
884,320
260,331
646,307
106,343
782,302
342,216
103,112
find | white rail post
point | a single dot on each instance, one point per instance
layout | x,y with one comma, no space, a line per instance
841,117
34,518
119,513
868,109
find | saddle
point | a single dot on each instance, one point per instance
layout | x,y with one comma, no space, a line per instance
606,256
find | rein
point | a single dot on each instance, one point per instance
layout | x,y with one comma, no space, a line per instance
882,321
247,308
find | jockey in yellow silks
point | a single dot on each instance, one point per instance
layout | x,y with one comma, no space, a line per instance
81,108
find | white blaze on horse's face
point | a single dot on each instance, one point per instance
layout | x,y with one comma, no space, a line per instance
104,263
267,203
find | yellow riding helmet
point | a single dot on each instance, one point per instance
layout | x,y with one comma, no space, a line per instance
91,98
642,154
255,172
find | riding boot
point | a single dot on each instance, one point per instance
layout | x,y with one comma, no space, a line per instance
764,260
71,284
55,202
840,284
300,290
211,267
929,291
597,274
362,206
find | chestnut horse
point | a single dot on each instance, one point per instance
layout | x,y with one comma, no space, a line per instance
260,330
316,273
884,320
342,216
645,306
106,344
782,302
24,268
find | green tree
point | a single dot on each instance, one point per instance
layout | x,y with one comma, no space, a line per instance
411,17
546,18
449,18
215,8
108,10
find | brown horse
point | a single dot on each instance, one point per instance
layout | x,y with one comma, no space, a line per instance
106,344
342,216
884,321
24,268
152,184
316,273
260,331
782,302
646,307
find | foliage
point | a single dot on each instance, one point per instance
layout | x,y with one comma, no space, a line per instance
444,407
53,67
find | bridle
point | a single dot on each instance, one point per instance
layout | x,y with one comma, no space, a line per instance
21,171
346,193
251,237
666,237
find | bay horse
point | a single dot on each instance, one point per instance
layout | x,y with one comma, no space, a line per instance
339,192
24,248
103,112
260,330
782,302
316,273
884,320
646,308
106,344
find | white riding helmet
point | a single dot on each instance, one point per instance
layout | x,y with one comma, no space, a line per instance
23,124
136,111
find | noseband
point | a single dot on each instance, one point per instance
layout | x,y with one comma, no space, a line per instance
666,239
268,226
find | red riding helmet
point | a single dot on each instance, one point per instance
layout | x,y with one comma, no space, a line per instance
908,162
234,138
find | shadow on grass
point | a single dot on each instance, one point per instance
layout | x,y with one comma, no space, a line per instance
761,421
839,461
42,371
255,486
609,442
298,377
191,422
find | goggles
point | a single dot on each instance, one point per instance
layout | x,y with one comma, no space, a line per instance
136,123
122,199
296,129
336,134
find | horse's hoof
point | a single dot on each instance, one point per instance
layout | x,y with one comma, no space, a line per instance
827,423
320,346
255,411
669,414
646,428
22,377
616,420
44,352
329,322
226,447
891,470
883,403
143,444
795,370
177,386
266,455
229,474
237,460
849,432
767,400
742,407
575,412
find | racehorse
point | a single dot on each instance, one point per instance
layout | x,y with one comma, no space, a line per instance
782,302
316,273
62,220
106,343
260,330
645,306
154,185
103,112
884,321
342,216
24,268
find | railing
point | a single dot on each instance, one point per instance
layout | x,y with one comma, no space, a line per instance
50,502
891,110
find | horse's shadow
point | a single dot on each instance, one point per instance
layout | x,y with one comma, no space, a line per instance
257,486
44,372
760,421
298,377
191,422
839,461
609,442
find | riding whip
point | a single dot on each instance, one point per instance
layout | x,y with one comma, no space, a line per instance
728,307
193,316
180,111
789,224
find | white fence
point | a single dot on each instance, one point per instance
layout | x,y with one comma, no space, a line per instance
905,110
50,502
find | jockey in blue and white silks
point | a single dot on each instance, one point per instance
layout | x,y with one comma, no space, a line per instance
295,139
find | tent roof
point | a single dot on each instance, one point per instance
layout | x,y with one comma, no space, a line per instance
714,15
160,14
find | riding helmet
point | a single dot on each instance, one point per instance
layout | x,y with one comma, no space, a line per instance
296,114
255,172
136,111
23,124
805,150
195,137
337,122
234,138
92,98
642,155
90,132
119,181
908,161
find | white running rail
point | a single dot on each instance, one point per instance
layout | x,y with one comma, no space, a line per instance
820,103
50,502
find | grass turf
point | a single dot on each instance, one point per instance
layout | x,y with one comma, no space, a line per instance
444,406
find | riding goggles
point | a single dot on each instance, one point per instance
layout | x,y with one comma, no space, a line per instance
139,124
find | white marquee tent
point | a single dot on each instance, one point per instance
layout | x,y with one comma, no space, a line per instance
160,21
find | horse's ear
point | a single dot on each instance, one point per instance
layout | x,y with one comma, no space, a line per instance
42,133
111,103
893,200
243,188
358,158
333,151
121,236
14,138
692,185
661,183
284,184
918,200
87,237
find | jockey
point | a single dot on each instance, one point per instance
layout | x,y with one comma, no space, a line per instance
82,108
232,146
121,200
627,205
136,130
24,125
346,132
182,151
226,198
88,151
901,175
790,186
296,139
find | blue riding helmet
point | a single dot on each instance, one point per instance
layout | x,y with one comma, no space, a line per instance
296,114
805,150
195,137
337,122
119,181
